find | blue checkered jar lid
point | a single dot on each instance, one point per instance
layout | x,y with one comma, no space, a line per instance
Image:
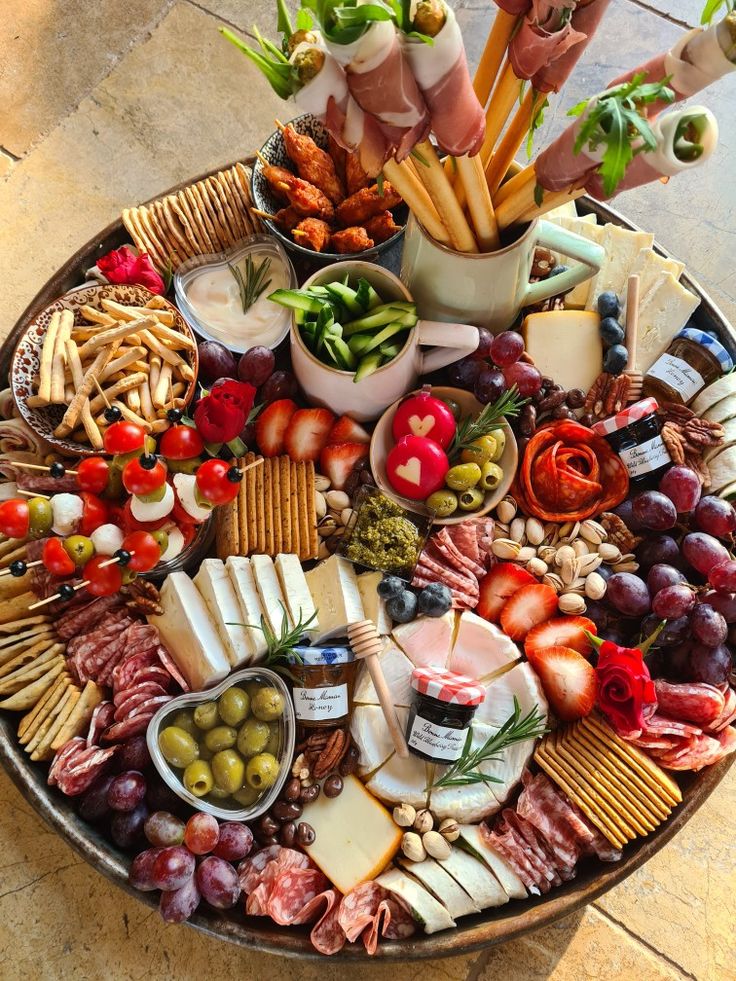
714,346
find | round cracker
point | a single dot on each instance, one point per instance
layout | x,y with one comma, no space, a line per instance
223,193
233,202
244,202
164,237
144,217
196,202
132,228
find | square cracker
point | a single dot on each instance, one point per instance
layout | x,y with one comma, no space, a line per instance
77,721
296,538
259,505
302,510
247,505
227,529
312,512
276,522
285,503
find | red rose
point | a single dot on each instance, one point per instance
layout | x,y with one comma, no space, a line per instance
624,687
222,415
124,266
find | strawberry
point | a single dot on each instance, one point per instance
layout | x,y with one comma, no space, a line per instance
569,681
347,430
307,433
498,585
527,607
568,631
337,460
272,424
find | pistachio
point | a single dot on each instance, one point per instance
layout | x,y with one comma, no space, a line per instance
320,505
321,483
589,563
436,846
547,553
553,580
569,569
517,530
337,500
534,531
345,516
323,551
404,815
327,527
563,552
595,586
423,821
526,553
609,553
571,532
565,529
592,532
450,829
500,530
551,532
412,847
625,566
580,547
628,557
571,603
536,566
506,510
504,548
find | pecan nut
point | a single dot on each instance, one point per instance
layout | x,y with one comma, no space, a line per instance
333,752
596,394
672,412
618,532
703,433
142,597
673,442
616,394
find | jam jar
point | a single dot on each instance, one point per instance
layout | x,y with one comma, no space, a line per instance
634,435
693,360
323,685
442,709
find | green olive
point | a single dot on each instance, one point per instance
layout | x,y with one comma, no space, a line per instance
120,459
252,688
234,706
114,490
218,793
442,502
247,795
79,548
184,466
462,476
274,740
253,737
206,715
41,516
479,451
491,476
177,746
161,538
471,499
198,778
268,704
184,719
262,771
205,753
127,575
228,770
154,496
499,435
221,737
454,407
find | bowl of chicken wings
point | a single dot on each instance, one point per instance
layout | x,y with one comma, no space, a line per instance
317,199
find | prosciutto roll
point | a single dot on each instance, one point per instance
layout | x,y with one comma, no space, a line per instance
584,21
544,36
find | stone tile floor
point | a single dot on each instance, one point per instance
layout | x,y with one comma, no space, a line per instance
107,104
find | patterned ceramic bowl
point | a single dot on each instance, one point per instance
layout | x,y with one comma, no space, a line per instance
27,357
273,151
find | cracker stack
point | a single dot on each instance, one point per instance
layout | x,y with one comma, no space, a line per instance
203,218
620,789
64,711
274,511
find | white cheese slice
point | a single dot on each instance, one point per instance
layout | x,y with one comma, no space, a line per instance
426,640
588,228
713,393
295,591
522,683
728,492
371,736
334,588
402,781
269,592
188,633
507,769
472,839
374,606
217,591
397,669
565,345
721,411
650,267
661,316
442,886
424,907
241,576
722,470
480,648
476,878
470,803
729,438
622,248
566,210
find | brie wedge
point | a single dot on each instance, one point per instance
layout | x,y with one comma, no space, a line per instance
295,591
272,600
481,649
217,591
371,735
522,683
717,390
426,640
424,907
397,669
472,839
241,576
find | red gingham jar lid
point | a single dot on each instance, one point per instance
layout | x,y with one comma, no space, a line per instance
639,410
446,686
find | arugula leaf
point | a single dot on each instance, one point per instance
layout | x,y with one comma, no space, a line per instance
538,108
279,74
344,21
538,195
712,7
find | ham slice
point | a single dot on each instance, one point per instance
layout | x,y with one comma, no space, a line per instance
584,22
533,48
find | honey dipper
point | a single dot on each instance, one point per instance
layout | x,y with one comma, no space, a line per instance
632,324
366,644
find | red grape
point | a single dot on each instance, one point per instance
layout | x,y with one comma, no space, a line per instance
625,511
215,361
723,577
708,625
163,829
126,791
236,841
202,833
654,510
160,797
134,754
673,602
179,904
141,870
93,805
126,827
703,551
281,385
715,516
726,605
525,376
462,373
489,385
710,665
660,576
678,660
660,549
172,867
628,594
256,365
218,882
682,486
507,348
485,342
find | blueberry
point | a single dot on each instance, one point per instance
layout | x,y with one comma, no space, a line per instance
390,586
402,608
559,268
616,359
611,332
609,305
435,599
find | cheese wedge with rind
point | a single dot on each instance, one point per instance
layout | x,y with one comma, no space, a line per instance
396,668
472,839
426,640
565,345
241,576
476,878
269,592
372,737
480,649
721,411
729,438
662,315
587,227
374,606
522,683
722,470
295,591
425,909
213,582
622,247
334,588
713,393
442,886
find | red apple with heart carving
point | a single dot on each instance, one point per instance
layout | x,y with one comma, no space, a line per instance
416,467
424,415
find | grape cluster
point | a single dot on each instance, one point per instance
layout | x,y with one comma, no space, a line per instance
189,862
495,367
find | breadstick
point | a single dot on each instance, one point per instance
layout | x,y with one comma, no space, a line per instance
124,361
122,312
155,362
504,98
47,358
440,191
127,383
493,54
71,416
511,141
127,413
144,394
96,316
168,334
63,333
118,333
91,428
165,353
514,185
160,392
479,202
133,398
156,303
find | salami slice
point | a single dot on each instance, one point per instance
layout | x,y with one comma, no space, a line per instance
291,892
504,841
80,771
401,924
699,703
127,728
250,869
148,688
327,936
63,754
102,717
168,662
359,907
256,904
728,715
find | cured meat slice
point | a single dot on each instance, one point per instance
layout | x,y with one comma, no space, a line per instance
168,662
250,869
359,908
81,767
504,841
536,852
584,20
82,620
701,751
291,892
327,936
537,46
699,703
465,539
728,714
444,540
102,717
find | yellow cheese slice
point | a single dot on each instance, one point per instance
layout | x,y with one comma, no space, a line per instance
565,345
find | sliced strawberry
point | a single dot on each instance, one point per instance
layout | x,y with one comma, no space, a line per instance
564,631
271,425
569,681
336,461
526,608
307,433
499,585
347,430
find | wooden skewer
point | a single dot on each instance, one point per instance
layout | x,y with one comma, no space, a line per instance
632,324
263,214
255,463
102,393
479,202
279,124
56,596
511,141
263,160
36,466
28,565
29,493
367,645
282,185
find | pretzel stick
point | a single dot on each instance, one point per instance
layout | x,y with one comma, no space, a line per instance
510,142
59,361
90,426
47,358
413,192
479,202
440,191
73,412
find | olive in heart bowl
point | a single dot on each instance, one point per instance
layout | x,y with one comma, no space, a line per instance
419,455
227,750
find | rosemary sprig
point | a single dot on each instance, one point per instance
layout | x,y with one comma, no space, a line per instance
514,730
252,284
491,417
280,646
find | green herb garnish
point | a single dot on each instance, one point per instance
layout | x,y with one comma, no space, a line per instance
344,21
615,121
280,647
539,104
282,76
712,7
253,283
514,730
490,418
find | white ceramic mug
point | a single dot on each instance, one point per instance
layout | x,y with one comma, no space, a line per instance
367,399
489,289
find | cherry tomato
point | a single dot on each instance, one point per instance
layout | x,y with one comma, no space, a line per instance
93,474
144,550
182,517
143,475
128,523
102,582
180,443
218,481
56,558
123,437
95,513
15,518
188,531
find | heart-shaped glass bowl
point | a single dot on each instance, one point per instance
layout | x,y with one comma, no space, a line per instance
226,809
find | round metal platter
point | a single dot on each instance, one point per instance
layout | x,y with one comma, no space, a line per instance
472,933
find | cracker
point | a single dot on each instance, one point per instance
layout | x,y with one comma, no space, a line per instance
157,224
12,626
16,606
277,532
28,655
59,708
227,533
244,200
302,511
19,552
196,203
212,199
258,505
312,512
29,673
285,503
141,239
197,231
77,721
150,233
250,520
223,196
10,646
267,466
188,228
227,182
27,697
43,750
12,586
30,723
199,193
174,228
296,538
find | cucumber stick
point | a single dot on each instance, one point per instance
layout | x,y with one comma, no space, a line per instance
383,335
367,365
297,300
